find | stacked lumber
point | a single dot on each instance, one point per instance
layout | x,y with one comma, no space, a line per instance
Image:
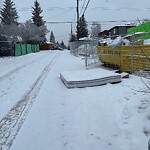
89,78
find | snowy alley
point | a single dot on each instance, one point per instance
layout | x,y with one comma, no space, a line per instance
38,112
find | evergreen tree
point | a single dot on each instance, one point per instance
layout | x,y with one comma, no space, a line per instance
57,43
62,45
8,13
72,38
38,21
36,14
52,37
82,30
78,31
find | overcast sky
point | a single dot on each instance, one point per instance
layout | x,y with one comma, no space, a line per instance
98,10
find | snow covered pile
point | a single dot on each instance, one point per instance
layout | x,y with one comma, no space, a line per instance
104,42
119,41
147,42
89,78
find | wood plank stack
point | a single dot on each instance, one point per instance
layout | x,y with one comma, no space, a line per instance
89,78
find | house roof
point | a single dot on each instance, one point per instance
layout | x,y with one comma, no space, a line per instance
121,26
49,42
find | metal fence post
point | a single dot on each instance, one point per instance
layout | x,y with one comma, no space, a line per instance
132,55
86,64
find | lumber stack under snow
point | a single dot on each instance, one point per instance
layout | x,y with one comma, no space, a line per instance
88,78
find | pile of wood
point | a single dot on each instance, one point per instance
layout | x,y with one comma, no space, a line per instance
89,78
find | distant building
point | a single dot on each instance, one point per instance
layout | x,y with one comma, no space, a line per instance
46,46
119,30
104,34
141,32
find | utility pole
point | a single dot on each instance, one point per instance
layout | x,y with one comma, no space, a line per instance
71,29
77,11
77,19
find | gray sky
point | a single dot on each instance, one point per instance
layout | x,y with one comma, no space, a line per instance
98,10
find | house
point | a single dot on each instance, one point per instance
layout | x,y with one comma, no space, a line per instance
104,34
140,32
119,30
46,46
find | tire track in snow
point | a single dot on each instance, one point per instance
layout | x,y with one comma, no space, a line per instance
12,122
5,76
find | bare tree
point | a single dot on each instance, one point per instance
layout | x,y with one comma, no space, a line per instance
95,30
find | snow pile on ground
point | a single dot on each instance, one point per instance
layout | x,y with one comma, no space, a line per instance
47,115
147,42
119,41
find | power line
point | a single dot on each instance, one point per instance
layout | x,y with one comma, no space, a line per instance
102,21
86,7
82,6
60,14
59,22
59,8
25,9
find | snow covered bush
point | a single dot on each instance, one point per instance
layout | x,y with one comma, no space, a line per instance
31,33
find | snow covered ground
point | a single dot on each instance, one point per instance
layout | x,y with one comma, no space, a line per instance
38,112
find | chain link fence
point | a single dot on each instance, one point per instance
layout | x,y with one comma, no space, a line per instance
86,49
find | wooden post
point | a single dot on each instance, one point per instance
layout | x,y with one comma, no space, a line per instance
132,55
77,9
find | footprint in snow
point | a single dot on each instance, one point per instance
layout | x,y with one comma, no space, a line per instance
146,131
65,144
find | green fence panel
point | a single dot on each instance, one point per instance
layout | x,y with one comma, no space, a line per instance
33,48
18,51
38,47
29,48
23,49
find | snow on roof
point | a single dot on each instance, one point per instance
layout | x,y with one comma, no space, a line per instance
49,42
124,25
85,39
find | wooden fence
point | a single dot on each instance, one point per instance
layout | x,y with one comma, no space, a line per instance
126,58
